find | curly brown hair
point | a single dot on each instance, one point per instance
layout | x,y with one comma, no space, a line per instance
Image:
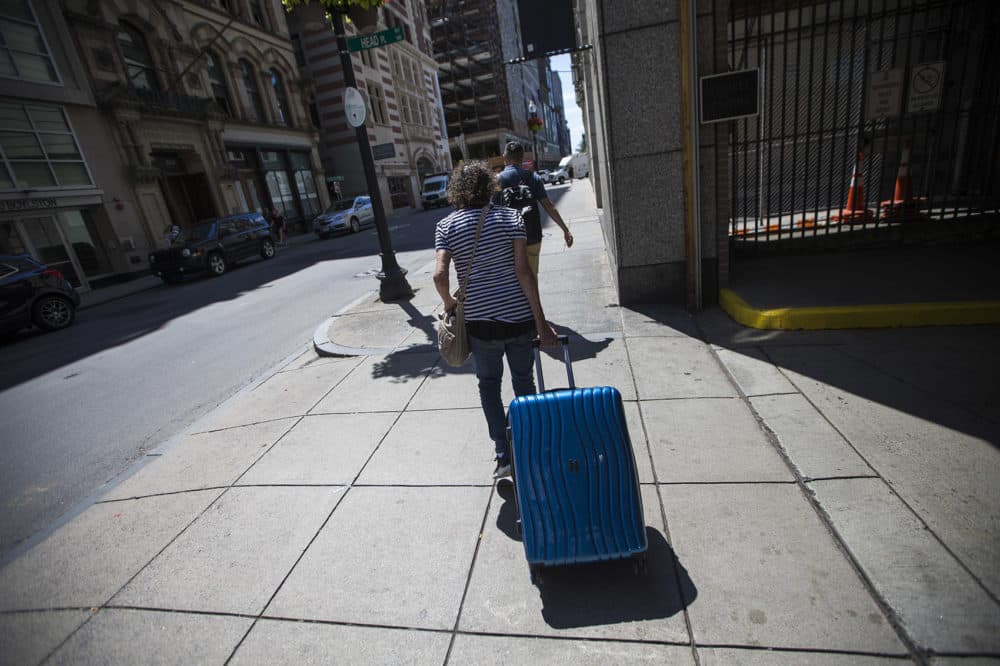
472,185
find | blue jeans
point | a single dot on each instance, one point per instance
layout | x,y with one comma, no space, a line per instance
487,355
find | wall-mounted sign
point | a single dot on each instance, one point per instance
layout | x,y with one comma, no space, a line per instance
384,151
885,92
730,96
926,82
354,107
7,205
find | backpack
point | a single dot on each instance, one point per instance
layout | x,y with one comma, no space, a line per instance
520,197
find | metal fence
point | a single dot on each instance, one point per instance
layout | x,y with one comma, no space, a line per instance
864,84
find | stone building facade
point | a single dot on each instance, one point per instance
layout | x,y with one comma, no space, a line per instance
176,110
399,81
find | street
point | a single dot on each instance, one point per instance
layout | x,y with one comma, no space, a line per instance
80,405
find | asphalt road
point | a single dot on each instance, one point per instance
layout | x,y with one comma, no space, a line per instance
77,407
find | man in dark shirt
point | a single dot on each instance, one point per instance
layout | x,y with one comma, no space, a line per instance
513,175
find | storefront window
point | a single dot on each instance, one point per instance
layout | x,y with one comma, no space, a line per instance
397,190
79,231
280,190
307,192
49,248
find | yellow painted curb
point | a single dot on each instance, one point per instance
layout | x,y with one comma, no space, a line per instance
893,315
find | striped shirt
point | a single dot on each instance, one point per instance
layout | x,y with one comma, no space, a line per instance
493,292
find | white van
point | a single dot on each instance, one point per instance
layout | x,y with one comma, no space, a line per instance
576,165
433,193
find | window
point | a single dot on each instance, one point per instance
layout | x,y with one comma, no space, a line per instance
404,108
217,81
252,91
300,55
368,58
38,149
256,12
23,52
281,98
376,100
139,68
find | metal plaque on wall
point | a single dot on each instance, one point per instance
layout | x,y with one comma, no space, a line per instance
384,151
730,96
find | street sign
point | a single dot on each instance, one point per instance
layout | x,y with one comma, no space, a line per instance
354,107
926,82
885,91
334,179
375,39
729,96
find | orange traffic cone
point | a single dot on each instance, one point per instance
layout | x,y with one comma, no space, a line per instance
902,206
854,211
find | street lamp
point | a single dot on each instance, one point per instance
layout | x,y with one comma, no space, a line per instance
531,125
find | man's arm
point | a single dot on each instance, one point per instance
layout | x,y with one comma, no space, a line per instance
529,285
442,278
554,214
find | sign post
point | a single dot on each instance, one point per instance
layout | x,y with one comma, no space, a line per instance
393,285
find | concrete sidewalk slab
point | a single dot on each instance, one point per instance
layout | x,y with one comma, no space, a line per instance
326,449
940,458
602,601
117,636
939,604
813,446
506,650
709,441
204,460
753,372
768,572
454,388
282,395
553,287
673,367
301,643
390,556
29,636
88,560
597,361
446,448
384,328
592,311
379,383
658,321
232,559
640,448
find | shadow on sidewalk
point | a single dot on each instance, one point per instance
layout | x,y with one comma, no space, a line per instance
583,595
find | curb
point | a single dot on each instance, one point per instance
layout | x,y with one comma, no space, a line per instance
892,315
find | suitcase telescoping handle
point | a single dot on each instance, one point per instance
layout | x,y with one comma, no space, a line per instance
564,341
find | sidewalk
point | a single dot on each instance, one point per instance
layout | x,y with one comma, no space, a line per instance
810,497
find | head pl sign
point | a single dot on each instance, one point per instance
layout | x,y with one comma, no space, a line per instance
375,39
354,107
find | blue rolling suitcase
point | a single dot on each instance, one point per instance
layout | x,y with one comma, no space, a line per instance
574,470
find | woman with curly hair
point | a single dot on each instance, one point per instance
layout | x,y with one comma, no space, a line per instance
503,311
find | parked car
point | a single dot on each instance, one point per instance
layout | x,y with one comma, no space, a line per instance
345,215
33,293
557,176
214,246
434,191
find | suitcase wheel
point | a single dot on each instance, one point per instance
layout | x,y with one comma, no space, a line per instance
536,575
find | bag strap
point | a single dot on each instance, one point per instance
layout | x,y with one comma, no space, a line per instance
475,244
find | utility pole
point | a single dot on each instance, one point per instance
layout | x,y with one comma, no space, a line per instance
393,285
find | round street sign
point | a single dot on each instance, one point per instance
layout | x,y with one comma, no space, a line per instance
354,107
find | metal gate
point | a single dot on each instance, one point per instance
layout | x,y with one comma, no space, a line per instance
851,91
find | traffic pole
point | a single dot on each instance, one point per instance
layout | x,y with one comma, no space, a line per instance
393,285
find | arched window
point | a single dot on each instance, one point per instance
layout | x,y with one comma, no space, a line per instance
217,79
252,91
281,98
138,62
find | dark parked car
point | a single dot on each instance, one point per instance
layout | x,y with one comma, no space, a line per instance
33,293
213,246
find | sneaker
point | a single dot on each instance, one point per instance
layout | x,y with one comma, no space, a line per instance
503,468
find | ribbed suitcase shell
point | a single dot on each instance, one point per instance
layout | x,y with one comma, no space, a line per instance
575,474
